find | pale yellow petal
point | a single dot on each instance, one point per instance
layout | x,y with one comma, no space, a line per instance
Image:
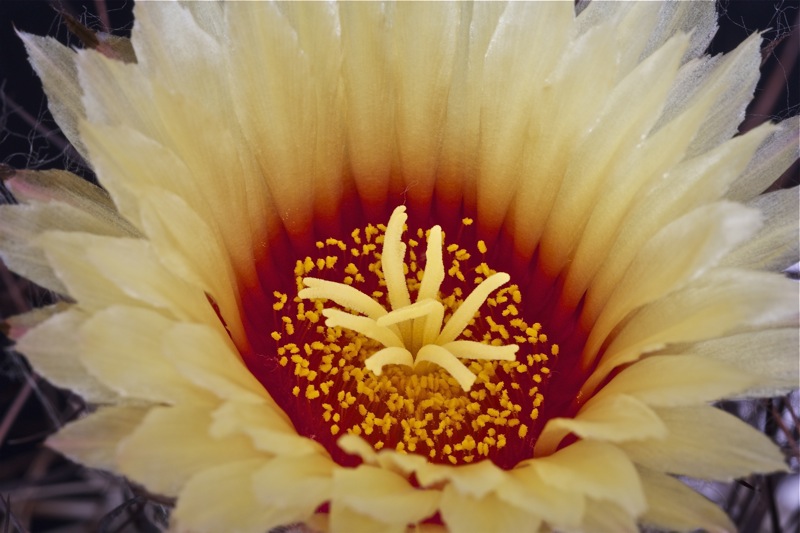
678,380
465,514
529,40
673,506
345,520
222,498
269,428
776,247
605,517
172,444
20,226
526,489
382,495
619,128
688,186
208,359
53,348
47,186
773,157
769,355
610,418
714,305
55,65
94,439
707,443
678,253
596,469
299,483
20,324
474,480
122,346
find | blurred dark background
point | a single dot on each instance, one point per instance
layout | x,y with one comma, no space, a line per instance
40,491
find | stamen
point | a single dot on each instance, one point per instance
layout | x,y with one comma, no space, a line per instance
360,324
471,305
342,294
433,353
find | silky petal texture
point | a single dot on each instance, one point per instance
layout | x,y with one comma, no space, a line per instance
21,224
610,418
673,506
158,445
465,514
596,469
760,354
122,346
706,443
59,362
382,495
19,325
777,246
689,186
716,304
206,505
605,517
267,426
526,489
94,439
678,253
678,380
773,157
55,65
303,483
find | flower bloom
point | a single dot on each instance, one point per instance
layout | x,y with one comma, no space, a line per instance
379,265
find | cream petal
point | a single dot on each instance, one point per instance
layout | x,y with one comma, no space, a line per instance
652,159
281,116
679,380
706,443
344,520
709,307
773,157
555,128
465,514
18,325
94,439
382,495
301,483
733,78
20,226
172,444
424,36
188,248
696,18
457,171
776,247
526,489
768,355
596,469
134,267
475,480
529,39
610,418
66,254
122,346
208,359
689,186
53,346
54,63
677,254
604,517
588,166
267,426
46,186
673,506
206,504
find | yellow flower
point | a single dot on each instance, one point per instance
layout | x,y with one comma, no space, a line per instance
581,263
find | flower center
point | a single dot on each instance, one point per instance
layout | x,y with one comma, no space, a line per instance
419,346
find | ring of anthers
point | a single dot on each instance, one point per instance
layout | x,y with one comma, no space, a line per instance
412,334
